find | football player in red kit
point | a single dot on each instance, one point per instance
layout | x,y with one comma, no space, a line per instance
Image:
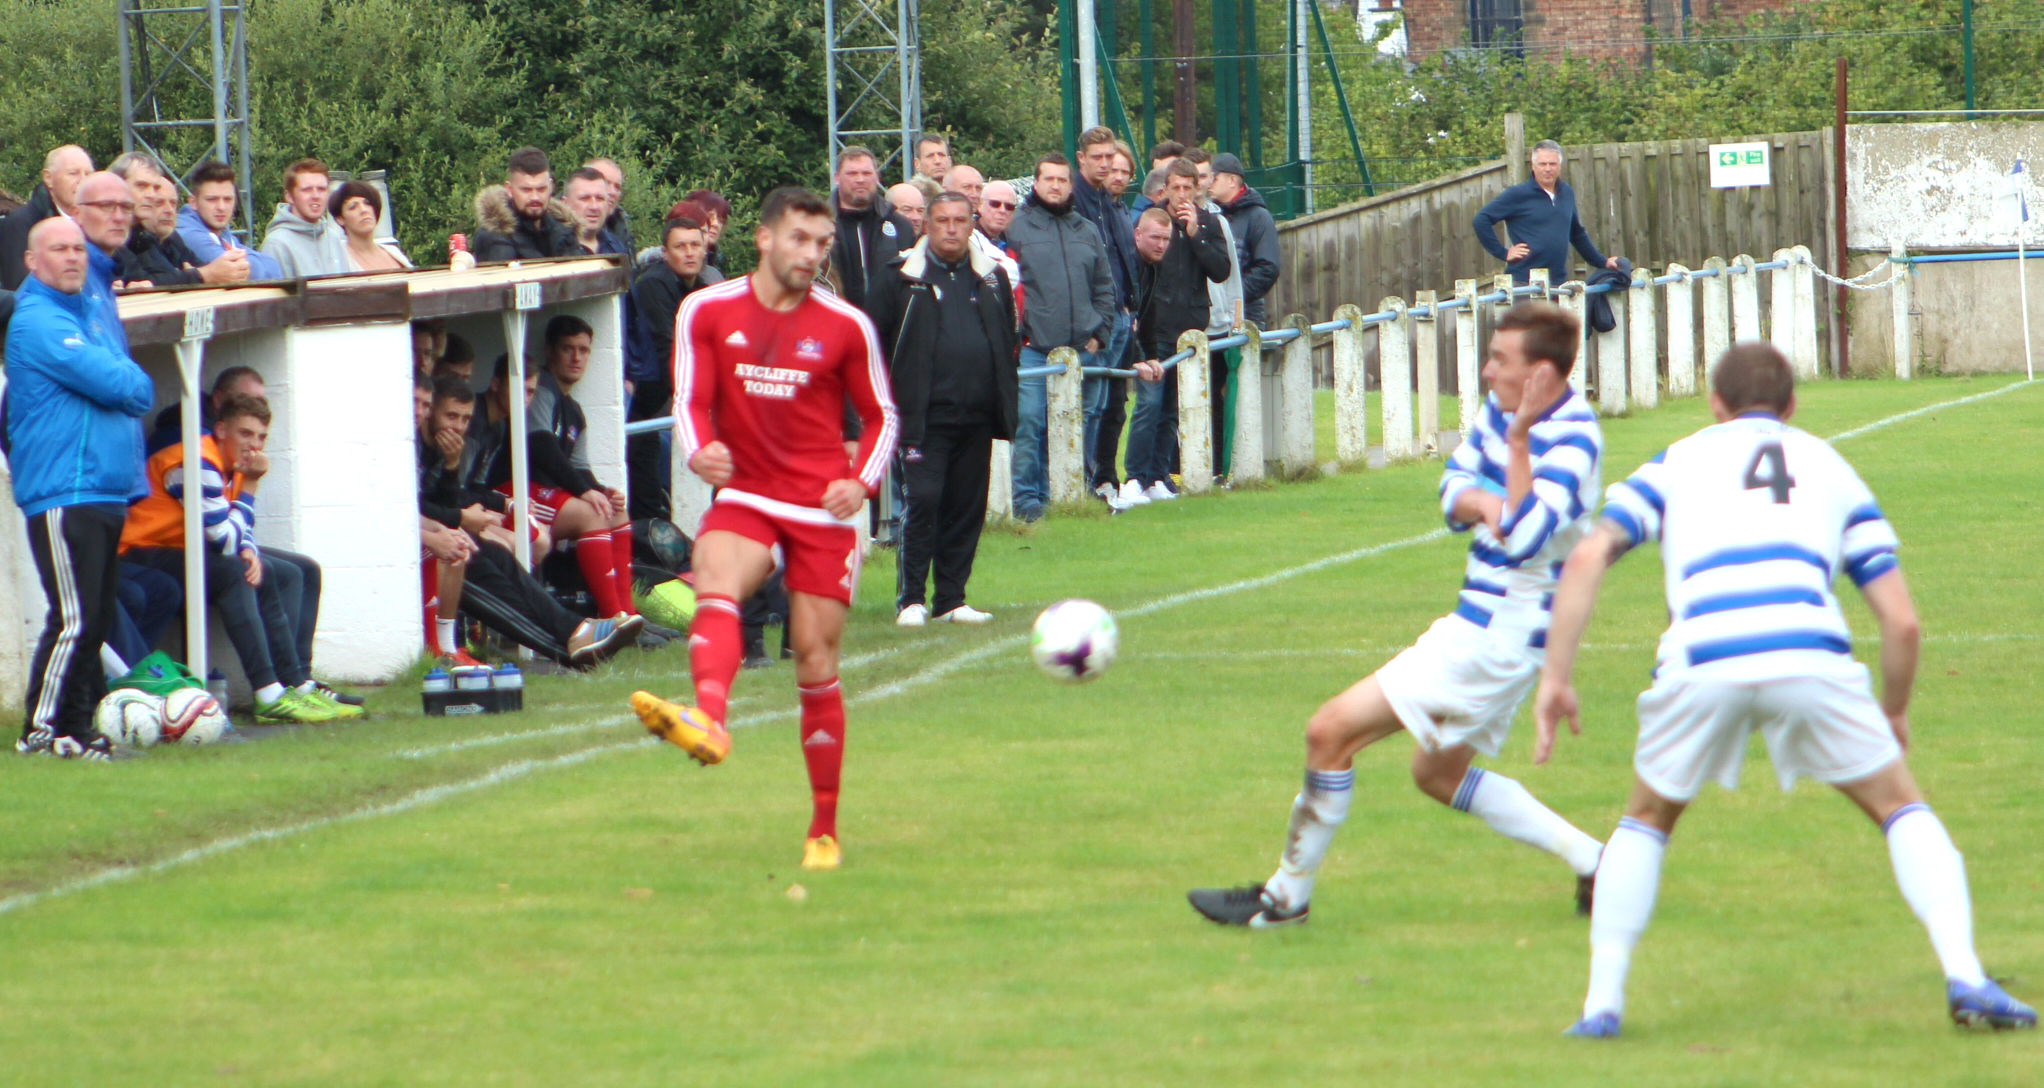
763,367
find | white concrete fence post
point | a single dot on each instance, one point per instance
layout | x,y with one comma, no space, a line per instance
1067,428
1745,300
1351,409
1247,444
1295,393
1717,312
1803,353
1643,351
1781,307
1572,299
1681,319
1195,416
1611,398
1903,304
1468,357
1394,378
1001,481
1426,370
1538,277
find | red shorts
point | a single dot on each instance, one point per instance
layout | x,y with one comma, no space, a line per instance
546,502
817,555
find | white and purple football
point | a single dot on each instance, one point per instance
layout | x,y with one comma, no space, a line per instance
1074,641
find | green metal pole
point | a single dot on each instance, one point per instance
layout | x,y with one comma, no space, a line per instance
1355,142
1112,113
1147,37
1966,17
1067,73
1253,86
1291,83
1227,79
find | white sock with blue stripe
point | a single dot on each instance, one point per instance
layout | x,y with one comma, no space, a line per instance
1932,876
1628,879
1516,814
1317,813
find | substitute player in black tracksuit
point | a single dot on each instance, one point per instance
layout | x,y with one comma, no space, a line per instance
946,315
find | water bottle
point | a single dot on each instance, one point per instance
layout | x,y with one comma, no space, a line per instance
472,678
508,678
438,681
216,686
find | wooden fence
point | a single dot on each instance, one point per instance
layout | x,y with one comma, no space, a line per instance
1651,202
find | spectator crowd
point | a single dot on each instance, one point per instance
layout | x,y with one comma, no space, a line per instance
968,282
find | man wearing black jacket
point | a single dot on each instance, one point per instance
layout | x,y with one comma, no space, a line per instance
521,220
656,298
485,580
1182,250
870,234
1256,240
64,169
946,315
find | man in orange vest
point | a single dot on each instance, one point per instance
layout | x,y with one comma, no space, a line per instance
247,593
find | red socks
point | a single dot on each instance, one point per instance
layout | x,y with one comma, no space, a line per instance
621,559
715,648
823,749
594,555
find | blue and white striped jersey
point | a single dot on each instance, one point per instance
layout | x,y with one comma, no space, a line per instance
1755,518
1508,583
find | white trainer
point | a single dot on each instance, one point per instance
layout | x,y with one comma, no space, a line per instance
914,615
1159,492
1110,495
965,613
1132,494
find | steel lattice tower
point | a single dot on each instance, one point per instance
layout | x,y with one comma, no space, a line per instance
184,76
873,77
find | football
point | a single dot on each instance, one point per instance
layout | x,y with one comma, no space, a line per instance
191,716
130,718
1074,641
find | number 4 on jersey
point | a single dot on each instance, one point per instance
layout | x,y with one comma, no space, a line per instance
1777,479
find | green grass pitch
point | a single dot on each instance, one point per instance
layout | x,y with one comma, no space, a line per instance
550,899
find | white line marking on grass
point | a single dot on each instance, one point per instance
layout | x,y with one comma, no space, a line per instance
1925,410
419,799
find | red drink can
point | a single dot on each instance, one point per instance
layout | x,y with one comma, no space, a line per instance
456,243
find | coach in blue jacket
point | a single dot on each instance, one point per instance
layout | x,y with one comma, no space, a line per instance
1540,218
75,402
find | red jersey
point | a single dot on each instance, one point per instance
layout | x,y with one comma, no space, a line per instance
772,387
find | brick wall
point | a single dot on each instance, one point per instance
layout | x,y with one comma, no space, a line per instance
1609,29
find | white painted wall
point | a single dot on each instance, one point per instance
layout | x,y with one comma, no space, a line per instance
1937,185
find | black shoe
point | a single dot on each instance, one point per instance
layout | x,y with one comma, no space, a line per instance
1247,905
668,633
1586,894
94,747
35,742
650,641
756,656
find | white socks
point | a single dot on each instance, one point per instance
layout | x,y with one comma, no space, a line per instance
450,638
1516,814
1932,877
269,693
1628,878
1317,812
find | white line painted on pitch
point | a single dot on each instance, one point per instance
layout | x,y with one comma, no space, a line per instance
420,799
1926,410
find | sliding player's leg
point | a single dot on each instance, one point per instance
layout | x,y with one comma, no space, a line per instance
1343,726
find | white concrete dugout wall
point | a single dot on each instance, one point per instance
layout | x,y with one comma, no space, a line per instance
336,358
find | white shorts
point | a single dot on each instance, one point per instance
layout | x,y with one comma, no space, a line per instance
1459,684
1825,727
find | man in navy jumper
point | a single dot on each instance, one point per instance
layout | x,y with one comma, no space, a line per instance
1540,217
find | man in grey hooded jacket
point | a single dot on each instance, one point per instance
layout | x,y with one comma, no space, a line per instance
302,237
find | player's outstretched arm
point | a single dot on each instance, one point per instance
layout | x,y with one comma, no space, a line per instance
1574,599
1888,598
